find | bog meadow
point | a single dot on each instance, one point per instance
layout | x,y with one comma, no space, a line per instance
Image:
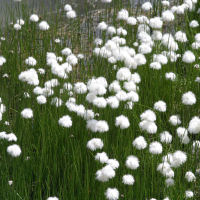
100,100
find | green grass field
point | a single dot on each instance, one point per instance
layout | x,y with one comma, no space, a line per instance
101,100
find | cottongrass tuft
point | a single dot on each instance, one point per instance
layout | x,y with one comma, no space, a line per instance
132,162
194,125
188,98
128,179
101,157
122,122
155,148
14,150
52,198
190,176
27,113
189,194
160,106
139,143
44,26
169,182
113,163
112,194
65,121
174,120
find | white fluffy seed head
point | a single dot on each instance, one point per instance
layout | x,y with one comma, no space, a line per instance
139,143
128,179
122,122
132,162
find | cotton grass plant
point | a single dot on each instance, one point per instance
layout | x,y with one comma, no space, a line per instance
114,116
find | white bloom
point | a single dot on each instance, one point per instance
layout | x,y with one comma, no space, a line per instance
65,121
111,30
121,31
11,137
165,3
169,182
14,150
66,51
67,8
160,58
41,71
20,22
157,35
144,48
123,74
133,96
156,23
101,177
165,137
189,194
139,143
143,19
123,14
17,27
71,14
148,126
178,158
174,120
164,168
160,106
34,18
128,179
181,132
155,148
101,157
168,16
188,98
90,97
130,86
31,61
140,59
80,88
108,171
114,86
148,115
146,6
102,26
113,163
135,78
188,57
170,174
194,24
155,65
194,125
180,36
190,176
95,144
100,102
132,162
170,76
122,122
88,114
132,21
102,126
56,101
41,99
72,59
52,198
112,194
2,108
113,102
27,113
44,26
